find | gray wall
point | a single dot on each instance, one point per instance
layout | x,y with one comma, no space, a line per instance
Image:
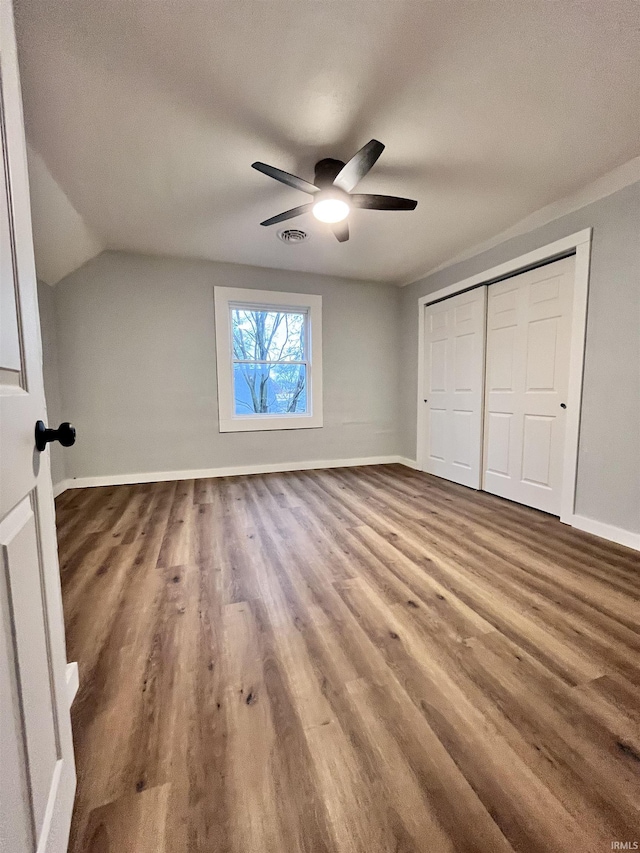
608,486
46,301
137,362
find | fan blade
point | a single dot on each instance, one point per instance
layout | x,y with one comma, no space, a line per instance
341,230
288,214
358,166
382,202
286,178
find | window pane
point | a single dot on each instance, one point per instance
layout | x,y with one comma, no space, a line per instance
276,389
267,335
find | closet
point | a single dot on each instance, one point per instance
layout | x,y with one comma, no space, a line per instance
496,378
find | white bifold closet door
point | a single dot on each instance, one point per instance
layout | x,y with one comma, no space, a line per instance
527,375
453,388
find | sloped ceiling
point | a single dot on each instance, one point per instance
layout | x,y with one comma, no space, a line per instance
149,113
61,240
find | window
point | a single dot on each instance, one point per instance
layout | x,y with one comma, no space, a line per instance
269,354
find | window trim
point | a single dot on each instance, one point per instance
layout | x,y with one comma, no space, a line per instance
227,298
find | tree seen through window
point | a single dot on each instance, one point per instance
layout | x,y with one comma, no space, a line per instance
269,361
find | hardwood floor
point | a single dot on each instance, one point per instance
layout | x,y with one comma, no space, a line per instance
365,659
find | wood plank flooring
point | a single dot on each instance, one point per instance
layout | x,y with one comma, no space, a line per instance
365,660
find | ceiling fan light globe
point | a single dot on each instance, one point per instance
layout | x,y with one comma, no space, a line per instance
331,210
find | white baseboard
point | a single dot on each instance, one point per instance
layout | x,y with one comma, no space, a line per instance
408,463
59,488
606,531
73,681
234,471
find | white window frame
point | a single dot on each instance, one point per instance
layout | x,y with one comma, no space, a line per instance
227,298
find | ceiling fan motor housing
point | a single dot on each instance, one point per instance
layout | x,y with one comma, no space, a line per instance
326,172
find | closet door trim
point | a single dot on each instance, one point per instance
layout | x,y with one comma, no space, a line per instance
580,245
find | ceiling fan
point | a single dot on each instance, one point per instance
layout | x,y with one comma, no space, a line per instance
333,182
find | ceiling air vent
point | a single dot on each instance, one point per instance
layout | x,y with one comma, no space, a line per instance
293,235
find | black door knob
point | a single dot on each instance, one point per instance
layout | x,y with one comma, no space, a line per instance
65,434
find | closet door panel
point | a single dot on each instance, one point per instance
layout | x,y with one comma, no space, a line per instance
451,446
528,336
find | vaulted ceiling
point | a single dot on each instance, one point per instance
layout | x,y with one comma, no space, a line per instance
149,113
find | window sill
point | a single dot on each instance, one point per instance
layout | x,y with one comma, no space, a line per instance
267,422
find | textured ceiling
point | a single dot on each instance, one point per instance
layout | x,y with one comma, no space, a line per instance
149,113
61,240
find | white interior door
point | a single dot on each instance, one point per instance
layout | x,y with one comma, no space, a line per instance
37,773
528,340
454,349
